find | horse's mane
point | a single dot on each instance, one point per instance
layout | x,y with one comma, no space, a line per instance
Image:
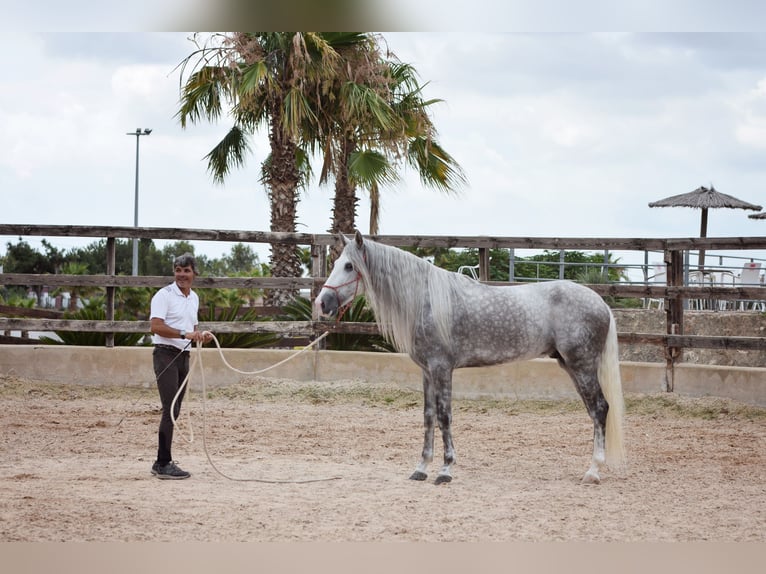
399,286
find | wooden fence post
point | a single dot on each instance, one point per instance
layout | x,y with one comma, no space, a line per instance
483,264
674,311
111,268
318,269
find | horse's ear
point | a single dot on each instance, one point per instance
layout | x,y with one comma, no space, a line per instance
342,239
359,239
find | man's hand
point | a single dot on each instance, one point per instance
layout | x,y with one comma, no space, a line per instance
200,336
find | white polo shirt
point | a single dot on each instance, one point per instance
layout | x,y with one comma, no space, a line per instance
177,310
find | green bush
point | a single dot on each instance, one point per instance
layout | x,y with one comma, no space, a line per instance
239,340
85,338
300,310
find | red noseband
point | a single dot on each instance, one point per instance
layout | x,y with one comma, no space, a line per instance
343,308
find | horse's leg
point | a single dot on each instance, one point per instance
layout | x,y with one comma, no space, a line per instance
429,415
443,381
584,373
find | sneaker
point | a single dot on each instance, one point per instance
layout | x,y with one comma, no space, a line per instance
170,471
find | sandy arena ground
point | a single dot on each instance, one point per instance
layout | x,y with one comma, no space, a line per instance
75,467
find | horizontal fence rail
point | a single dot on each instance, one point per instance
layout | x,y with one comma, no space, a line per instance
316,328
613,290
448,241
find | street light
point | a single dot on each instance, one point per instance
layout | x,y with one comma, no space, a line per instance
138,133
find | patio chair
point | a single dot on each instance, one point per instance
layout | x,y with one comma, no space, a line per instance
725,279
750,276
700,279
658,278
470,270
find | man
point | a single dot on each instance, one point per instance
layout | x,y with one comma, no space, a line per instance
174,327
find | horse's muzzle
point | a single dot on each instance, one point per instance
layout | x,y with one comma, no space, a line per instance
327,304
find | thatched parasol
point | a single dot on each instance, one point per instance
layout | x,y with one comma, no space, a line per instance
704,199
761,215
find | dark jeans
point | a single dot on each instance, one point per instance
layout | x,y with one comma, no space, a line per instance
170,368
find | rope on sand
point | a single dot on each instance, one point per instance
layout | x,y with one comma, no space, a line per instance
197,358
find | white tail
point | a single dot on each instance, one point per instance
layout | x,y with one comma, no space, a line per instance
611,386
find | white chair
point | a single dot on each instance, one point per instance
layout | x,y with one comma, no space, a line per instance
750,276
471,269
658,278
699,279
725,279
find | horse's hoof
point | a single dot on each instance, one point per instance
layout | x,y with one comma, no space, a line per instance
418,475
443,479
591,478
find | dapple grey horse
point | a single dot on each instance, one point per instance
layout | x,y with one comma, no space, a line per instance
445,321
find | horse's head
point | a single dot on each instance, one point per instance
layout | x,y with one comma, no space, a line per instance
345,280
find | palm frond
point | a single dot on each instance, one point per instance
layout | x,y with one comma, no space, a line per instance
371,167
297,112
230,152
436,167
252,77
361,101
203,95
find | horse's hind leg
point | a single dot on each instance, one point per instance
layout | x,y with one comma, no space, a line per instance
429,419
585,377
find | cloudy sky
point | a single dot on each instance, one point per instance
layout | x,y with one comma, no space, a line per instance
566,134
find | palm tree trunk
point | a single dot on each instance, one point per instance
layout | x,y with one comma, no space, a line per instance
374,209
345,200
282,179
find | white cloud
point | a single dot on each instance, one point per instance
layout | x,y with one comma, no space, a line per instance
750,128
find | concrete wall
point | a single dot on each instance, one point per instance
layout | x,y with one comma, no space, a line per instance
536,379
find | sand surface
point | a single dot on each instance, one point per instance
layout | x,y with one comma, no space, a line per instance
75,467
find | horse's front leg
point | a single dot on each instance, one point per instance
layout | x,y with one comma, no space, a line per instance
443,384
429,418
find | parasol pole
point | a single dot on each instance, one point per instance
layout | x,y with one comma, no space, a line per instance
703,234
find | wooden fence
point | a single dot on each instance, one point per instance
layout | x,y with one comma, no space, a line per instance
674,292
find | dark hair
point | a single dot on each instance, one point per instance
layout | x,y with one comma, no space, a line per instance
186,260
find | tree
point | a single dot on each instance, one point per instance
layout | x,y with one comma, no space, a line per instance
577,263
242,259
352,113
267,78
332,93
436,167
578,266
171,251
93,256
374,121
22,258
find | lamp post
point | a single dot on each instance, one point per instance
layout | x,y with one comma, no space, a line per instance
138,133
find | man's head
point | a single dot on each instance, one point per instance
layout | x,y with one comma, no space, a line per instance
186,260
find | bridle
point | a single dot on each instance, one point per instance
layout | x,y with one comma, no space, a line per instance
343,308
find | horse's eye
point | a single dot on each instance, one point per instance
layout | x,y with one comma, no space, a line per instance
349,267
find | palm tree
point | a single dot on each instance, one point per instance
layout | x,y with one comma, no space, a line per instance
268,78
328,92
375,119
353,112
436,167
